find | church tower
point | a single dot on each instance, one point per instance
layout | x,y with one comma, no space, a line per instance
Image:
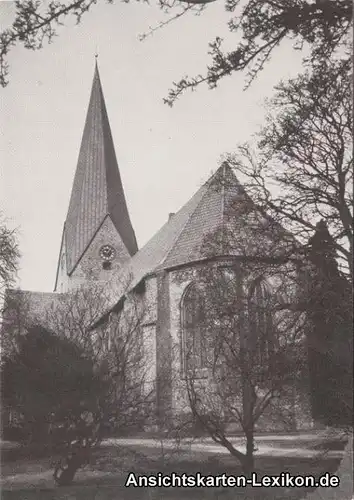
98,237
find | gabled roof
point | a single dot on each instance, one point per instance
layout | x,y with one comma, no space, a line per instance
210,213
180,241
97,189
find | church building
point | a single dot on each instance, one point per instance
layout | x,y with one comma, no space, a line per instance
99,246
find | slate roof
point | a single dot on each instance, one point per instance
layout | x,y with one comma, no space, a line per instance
180,240
222,189
97,188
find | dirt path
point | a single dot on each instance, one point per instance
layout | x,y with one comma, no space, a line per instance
38,474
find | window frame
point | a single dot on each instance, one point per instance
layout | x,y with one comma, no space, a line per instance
201,370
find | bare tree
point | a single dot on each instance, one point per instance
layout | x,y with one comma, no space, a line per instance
261,26
302,169
9,257
13,320
246,356
114,345
114,340
244,345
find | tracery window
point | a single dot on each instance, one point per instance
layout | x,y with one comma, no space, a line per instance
260,324
248,322
194,342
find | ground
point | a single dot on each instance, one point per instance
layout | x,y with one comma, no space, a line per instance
104,479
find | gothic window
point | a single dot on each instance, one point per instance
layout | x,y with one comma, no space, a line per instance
194,348
260,324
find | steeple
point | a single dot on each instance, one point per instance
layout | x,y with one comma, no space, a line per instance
97,190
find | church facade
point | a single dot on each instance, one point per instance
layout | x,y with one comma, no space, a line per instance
99,246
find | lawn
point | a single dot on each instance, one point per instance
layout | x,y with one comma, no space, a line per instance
104,479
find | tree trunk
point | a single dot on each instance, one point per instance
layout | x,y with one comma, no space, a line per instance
65,470
248,464
64,474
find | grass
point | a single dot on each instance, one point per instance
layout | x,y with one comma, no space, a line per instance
26,479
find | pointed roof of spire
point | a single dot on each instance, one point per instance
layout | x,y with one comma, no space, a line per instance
97,190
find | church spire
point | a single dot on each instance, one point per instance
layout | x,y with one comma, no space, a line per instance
97,190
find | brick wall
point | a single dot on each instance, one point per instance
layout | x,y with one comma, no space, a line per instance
90,266
275,418
163,347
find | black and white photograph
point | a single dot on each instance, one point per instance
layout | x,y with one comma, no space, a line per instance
176,249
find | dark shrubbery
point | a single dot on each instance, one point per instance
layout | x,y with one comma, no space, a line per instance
330,336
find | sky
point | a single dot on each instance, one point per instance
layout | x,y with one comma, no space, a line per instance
164,154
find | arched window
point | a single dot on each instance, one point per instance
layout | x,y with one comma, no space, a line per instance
194,342
260,324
